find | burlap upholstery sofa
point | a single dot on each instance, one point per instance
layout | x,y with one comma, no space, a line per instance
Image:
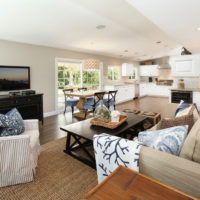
181,172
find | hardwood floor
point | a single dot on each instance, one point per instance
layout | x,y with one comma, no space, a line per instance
51,129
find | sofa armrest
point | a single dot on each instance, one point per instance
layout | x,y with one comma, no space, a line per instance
175,171
15,154
31,124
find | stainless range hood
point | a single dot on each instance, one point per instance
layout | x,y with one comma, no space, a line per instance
164,66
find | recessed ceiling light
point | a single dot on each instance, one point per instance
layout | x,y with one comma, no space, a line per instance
198,29
100,27
158,42
126,50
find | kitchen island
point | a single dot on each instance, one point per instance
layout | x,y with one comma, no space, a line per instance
191,95
126,92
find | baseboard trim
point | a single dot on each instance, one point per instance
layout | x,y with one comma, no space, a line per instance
52,113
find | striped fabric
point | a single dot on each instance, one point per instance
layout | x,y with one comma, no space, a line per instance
19,154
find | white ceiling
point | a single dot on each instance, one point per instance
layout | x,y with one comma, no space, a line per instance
177,18
133,25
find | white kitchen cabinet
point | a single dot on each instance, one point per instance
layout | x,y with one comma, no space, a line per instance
185,66
143,89
125,92
148,70
151,89
127,69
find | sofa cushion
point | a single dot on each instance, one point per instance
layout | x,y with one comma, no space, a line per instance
169,140
178,121
191,147
187,109
12,123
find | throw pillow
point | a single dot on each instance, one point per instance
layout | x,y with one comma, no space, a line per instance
11,123
178,121
191,147
183,111
168,140
195,112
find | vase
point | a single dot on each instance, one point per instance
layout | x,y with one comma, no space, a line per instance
102,112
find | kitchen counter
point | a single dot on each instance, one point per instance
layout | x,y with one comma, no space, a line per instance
187,89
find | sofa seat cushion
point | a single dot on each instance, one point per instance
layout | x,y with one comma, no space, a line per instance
168,140
178,121
191,147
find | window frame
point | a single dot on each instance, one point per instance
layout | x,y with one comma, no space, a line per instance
136,71
113,74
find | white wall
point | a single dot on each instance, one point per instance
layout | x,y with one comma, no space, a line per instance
42,62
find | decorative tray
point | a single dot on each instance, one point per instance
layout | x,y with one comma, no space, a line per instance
111,125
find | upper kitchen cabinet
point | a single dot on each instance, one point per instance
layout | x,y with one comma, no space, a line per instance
185,66
127,69
148,70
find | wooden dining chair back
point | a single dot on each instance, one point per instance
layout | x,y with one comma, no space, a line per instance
110,100
82,89
98,96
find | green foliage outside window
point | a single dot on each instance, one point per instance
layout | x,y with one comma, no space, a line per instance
113,73
71,75
91,79
134,74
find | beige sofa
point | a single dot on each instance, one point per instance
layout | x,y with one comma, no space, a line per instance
181,172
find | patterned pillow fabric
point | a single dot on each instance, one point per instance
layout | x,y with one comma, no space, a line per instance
11,123
168,140
178,121
183,109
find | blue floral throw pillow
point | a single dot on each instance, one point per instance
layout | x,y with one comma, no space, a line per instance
11,123
168,140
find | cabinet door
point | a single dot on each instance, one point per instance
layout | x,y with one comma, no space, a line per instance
127,69
186,66
153,70
143,70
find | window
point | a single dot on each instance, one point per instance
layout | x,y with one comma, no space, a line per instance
69,74
113,73
134,74
91,79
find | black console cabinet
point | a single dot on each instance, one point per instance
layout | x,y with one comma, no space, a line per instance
30,107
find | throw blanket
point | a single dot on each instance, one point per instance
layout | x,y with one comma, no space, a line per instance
111,151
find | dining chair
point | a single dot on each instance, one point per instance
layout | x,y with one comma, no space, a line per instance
92,104
69,100
110,100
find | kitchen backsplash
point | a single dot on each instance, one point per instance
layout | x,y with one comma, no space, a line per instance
190,82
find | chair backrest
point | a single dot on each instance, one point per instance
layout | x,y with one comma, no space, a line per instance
98,96
67,91
82,89
112,95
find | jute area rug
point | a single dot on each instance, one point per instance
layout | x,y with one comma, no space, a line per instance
58,176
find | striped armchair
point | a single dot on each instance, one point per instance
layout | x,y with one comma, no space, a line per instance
19,155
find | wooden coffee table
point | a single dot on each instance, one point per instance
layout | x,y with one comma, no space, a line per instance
126,184
80,136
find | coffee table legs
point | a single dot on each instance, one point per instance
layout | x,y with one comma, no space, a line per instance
79,143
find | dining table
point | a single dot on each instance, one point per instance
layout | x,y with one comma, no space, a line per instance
82,99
